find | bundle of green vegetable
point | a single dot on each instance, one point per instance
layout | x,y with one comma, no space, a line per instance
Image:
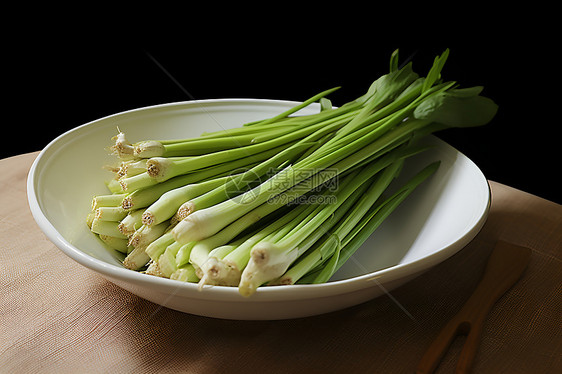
283,200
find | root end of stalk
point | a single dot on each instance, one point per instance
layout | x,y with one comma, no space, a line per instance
123,229
148,149
260,256
198,272
203,281
267,263
123,185
153,170
185,210
122,147
249,282
156,166
112,169
90,219
121,172
219,273
129,264
247,289
214,272
147,218
187,231
134,239
127,203
154,269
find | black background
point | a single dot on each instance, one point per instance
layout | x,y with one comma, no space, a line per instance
57,81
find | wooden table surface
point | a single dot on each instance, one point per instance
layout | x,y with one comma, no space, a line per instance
59,317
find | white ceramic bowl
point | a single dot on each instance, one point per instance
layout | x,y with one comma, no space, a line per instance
435,222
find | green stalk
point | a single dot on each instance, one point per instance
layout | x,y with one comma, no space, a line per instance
203,247
108,228
155,249
136,182
227,270
368,224
386,88
140,240
368,122
269,260
296,107
168,203
257,235
167,261
107,201
323,211
110,213
375,128
136,259
114,187
221,251
131,223
201,145
147,234
326,248
387,207
145,196
216,197
131,168
322,249
235,185
285,123
182,258
185,273
206,222
310,260
144,180
161,168
364,147
286,156
119,244
236,137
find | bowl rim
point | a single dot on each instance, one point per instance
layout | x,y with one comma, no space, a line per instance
285,292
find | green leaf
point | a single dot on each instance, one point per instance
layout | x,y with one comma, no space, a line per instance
466,92
394,61
391,85
388,87
457,108
325,104
435,72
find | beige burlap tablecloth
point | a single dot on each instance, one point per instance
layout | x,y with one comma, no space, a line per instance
59,317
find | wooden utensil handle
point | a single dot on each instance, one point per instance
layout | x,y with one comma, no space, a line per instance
505,265
469,349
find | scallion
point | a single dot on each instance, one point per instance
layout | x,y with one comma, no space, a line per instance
281,200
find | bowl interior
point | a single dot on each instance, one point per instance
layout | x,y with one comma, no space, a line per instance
441,213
